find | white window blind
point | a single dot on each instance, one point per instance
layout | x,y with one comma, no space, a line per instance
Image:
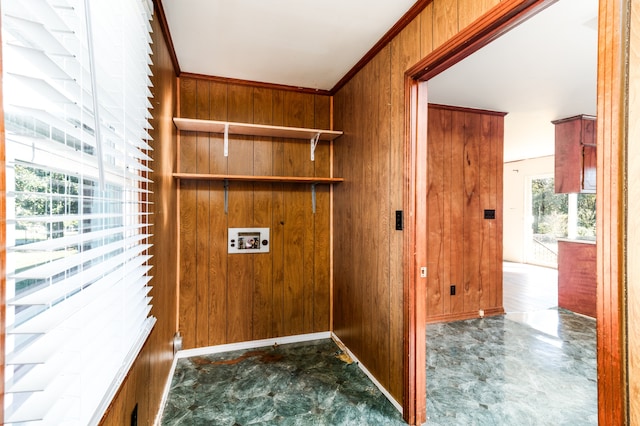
76,103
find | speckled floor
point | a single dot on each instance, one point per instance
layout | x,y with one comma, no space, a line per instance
519,369
293,384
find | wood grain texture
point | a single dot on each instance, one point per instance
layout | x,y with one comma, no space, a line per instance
202,225
416,157
577,277
472,11
262,216
445,20
405,50
610,214
451,46
322,225
247,297
438,219
241,276
132,393
188,220
426,30
633,233
357,112
465,149
575,171
257,84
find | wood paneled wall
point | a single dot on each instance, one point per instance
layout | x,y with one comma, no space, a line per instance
368,251
464,178
633,235
239,297
145,382
613,119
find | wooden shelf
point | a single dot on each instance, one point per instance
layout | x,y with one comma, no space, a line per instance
249,178
195,125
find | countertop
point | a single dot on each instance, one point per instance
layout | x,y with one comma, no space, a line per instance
570,240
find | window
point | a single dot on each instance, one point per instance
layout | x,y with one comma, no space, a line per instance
554,216
76,89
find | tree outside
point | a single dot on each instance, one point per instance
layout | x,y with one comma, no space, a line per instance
551,218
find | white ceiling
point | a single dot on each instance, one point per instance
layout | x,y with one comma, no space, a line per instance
544,69
301,43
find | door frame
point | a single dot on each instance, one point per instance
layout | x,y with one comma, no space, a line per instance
611,120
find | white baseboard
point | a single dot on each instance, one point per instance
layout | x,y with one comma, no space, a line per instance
252,344
165,393
365,371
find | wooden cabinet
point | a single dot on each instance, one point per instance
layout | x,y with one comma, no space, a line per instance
575,154
577,276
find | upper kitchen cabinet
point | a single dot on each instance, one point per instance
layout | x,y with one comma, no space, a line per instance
575,160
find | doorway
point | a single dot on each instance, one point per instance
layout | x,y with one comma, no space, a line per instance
611,392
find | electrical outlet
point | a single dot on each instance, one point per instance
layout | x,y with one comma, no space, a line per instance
452,290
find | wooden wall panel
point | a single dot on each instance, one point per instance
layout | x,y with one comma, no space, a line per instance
405,51
240,214
322,225
456,202
262,216
472,223
438,220
473,10
188,218
145,382
445,20
611,216
232,298
464,148
633,235
426,31
357,112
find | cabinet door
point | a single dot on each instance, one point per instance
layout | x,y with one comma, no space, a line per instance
575,155
588,141
568,156
588,169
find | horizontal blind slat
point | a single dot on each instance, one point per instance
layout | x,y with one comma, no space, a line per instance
77,334
57,243
52,268
47,320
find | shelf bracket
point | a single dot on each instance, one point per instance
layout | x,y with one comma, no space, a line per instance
226,196
313,198
314,143
226,139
